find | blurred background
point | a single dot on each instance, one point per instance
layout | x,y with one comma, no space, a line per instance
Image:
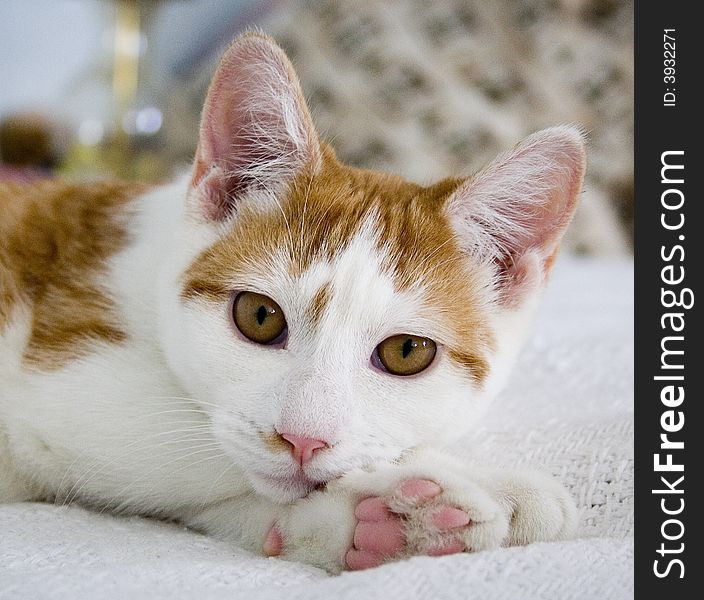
96,88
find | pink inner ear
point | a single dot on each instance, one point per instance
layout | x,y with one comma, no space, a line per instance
255,126
213,194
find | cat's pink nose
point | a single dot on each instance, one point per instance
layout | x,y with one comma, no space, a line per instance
303,448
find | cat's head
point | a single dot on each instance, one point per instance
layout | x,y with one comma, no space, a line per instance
331,317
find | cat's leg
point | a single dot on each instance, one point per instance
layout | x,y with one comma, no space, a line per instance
430,504
244,520
316,530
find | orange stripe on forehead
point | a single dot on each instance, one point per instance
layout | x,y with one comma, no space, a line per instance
319,303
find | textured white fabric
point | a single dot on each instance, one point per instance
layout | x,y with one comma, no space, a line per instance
568,410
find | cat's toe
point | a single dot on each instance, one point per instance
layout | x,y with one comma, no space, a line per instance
420,489
378,536
383,537
372,509
447,517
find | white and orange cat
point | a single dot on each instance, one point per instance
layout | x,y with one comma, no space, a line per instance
275,349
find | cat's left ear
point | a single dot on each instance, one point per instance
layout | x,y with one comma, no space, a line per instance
256,131
514,212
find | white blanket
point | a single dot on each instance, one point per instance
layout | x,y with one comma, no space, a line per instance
568,410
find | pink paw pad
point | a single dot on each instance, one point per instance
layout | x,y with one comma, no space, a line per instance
362,559
382,537
273,544
449,517
372,509
378,535
420,488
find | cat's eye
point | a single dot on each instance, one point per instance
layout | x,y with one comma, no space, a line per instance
406,354
259,318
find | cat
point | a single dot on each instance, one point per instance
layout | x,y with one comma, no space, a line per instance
275,348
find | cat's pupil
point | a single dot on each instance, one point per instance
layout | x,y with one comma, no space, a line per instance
408,347
262,313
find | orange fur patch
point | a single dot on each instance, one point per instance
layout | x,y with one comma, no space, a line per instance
54,240
321,214
275,442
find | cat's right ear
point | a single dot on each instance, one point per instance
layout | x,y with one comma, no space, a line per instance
256,132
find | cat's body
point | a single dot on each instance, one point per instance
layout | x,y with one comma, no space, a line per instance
96,357
128,382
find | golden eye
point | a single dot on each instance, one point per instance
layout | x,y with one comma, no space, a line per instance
406,354
258,317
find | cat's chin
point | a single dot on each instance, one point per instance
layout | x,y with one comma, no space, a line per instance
284,489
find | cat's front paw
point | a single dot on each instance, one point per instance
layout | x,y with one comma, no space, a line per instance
346,528
393,512
420,517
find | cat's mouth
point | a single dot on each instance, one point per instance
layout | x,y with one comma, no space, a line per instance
287,487
297,480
